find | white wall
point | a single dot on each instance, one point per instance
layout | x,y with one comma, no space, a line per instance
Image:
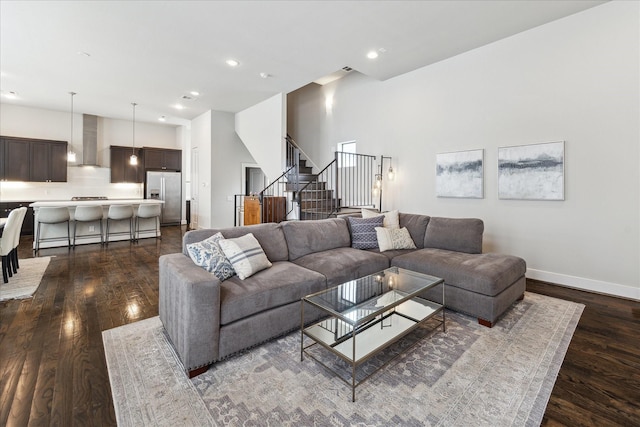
201,139
227,154
262,129
575,79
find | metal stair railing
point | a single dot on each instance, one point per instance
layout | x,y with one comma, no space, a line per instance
346,182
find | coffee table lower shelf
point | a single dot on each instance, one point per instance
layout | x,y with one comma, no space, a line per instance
370,338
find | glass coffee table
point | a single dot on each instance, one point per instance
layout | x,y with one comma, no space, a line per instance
365,316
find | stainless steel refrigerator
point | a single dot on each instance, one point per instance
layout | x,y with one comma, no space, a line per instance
166,186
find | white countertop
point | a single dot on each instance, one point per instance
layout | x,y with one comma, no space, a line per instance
73,203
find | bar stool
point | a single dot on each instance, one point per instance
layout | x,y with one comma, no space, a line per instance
88,214
50,215
148,211
120,213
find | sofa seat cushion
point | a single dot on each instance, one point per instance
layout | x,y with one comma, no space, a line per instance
487,274
343,264
281,284
391,254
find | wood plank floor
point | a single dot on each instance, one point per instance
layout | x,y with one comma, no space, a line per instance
53,370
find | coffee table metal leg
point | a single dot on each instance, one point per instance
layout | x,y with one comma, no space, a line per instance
301,330
353,364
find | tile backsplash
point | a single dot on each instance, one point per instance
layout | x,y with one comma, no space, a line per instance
81,181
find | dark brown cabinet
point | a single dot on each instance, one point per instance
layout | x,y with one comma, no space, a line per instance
48,161
16,160
162,159
26,159
274,209
121,169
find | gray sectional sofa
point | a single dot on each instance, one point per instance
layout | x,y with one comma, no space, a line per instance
208,320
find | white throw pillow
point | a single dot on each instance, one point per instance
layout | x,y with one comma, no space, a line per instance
394,238
245,254
208,255
391,218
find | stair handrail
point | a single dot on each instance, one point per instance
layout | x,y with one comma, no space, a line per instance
278,180
306,156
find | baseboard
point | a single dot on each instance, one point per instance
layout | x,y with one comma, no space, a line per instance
591,285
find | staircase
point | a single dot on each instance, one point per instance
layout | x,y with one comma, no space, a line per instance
343,186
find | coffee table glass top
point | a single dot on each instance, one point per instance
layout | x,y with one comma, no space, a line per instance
361,300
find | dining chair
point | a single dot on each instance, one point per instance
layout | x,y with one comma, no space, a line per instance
6,243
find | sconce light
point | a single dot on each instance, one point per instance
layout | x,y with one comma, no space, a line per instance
377,185
71,155
391,174
328,104
133,160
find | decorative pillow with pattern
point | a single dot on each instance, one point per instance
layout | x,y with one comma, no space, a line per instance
208,255
394,238
391,218
363,232
245,254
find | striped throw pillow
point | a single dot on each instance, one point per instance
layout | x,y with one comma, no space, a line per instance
245,254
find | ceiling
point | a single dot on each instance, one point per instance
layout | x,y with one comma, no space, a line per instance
113,53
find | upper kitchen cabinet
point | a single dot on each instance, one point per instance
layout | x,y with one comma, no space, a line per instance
48,161
162,159
27,159
121,169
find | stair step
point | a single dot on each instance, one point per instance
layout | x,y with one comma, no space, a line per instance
302,177
322,204
316,194
305,169
291,186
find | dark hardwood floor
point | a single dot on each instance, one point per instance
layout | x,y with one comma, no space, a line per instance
53,370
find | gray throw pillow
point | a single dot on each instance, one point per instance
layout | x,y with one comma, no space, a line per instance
363,232
208,255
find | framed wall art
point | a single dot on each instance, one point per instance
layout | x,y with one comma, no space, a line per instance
531,172
460,174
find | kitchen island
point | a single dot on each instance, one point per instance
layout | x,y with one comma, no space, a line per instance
56,234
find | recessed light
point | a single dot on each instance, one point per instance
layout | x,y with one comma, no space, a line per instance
265,75
11,95
179,107
232,63
372,54
162,118
195,93
83,53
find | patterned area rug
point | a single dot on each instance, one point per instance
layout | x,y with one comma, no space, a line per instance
24,283
470,375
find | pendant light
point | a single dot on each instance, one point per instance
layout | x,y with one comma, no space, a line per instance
133,160
71,155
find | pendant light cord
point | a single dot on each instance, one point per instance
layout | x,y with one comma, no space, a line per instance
133,144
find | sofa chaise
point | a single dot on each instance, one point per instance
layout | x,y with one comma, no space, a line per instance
208,319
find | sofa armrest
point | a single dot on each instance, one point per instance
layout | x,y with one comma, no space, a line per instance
189,305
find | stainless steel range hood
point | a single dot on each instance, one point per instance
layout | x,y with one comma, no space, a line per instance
89,140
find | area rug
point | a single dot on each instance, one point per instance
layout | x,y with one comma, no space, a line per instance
24,283
470,375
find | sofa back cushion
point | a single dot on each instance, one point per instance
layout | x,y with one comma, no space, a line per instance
455,234
269,235
305,237
417,226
